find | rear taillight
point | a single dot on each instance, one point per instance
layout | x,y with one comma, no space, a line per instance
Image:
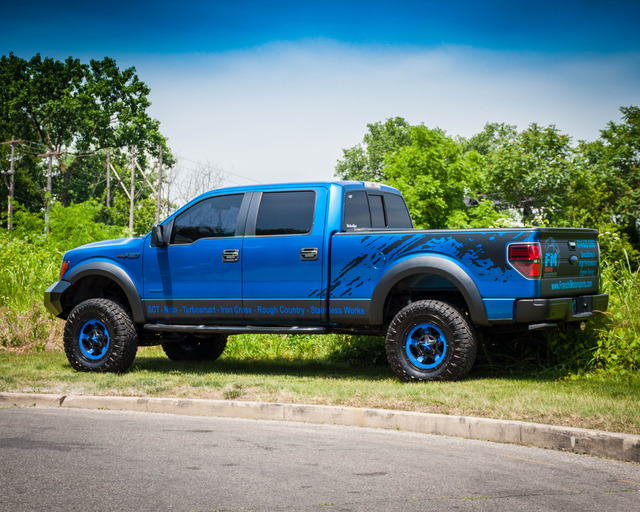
525,258
64,268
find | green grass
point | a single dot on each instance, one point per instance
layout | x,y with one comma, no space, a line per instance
602,402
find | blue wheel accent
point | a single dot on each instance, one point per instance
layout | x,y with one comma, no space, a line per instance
93,340
426,346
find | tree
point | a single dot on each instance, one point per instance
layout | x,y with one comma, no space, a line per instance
489,139
77,109
529,170
365,161
434,175
619,157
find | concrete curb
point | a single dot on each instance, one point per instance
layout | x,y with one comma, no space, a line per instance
592,442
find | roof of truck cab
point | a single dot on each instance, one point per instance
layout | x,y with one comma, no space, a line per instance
268,187
347,185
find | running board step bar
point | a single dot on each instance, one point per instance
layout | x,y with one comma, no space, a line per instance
236,329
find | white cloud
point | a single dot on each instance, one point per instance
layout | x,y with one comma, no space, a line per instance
283,112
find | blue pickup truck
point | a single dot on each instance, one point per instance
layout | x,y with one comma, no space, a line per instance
319,258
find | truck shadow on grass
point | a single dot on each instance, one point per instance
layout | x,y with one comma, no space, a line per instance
264,367
327,369
364,358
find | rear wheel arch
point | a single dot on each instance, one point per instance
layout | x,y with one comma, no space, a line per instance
393,286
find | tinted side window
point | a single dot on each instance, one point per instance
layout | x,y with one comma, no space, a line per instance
377,212
397,213
356,211
286,213
212,217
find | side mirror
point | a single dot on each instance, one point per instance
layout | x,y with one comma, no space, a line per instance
157,237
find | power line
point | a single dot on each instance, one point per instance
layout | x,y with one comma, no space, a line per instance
228,172
36,148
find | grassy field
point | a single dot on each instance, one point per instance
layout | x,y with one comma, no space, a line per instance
601,402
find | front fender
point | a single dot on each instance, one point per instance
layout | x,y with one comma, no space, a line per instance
116,274
433,265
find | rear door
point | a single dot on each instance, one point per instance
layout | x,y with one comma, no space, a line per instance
284,259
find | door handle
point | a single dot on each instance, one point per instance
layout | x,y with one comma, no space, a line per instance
309,254
230,255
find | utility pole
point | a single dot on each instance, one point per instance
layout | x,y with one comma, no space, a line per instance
133,189
47,197
159,196
12,173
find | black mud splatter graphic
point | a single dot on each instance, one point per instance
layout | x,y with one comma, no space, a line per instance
483,253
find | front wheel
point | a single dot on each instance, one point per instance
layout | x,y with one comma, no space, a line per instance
195,348
430,340
100,336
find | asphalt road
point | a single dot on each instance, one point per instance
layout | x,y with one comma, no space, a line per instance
64,459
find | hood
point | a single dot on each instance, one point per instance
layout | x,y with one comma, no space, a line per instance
105,248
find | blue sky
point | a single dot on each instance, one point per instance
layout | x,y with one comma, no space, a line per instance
274,90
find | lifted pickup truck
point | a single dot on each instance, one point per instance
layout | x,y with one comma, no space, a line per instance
319,258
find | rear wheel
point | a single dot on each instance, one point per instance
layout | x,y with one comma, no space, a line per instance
430,340
100,336
195,348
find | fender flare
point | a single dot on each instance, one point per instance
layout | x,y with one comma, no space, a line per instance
116,274
434,265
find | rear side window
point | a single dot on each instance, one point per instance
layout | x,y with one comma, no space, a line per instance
378,211
397,213
286,213
376,205
356,211
211,218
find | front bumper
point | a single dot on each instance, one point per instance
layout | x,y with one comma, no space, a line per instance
564,309
53,297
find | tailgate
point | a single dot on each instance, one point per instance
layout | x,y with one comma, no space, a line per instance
570,262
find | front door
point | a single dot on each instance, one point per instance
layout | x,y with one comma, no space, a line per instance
197,278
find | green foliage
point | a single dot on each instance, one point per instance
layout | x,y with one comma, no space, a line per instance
70,227
28,267
359,350
76,109
531,170
78,225
278,347
618,345
617,155
365,161
435,175
144,216
30,262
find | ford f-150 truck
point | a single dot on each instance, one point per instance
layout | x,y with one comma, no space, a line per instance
319,258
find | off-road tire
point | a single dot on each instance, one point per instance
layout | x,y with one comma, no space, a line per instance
100,336
195,348
430,340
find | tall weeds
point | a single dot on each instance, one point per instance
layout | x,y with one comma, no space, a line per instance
618,344
27,269
30,262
